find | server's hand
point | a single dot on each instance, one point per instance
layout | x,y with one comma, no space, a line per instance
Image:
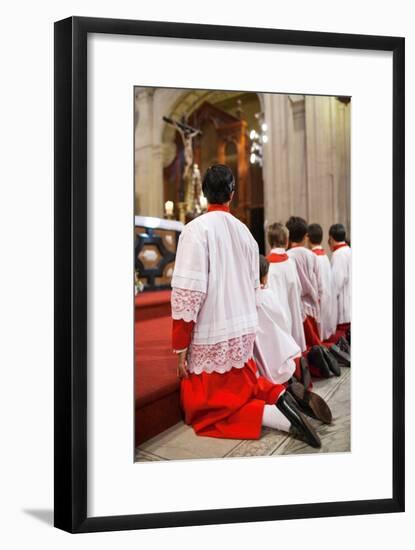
182,365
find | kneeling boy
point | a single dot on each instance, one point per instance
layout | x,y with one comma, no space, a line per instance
279,358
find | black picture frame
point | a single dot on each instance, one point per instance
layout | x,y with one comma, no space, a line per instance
70,173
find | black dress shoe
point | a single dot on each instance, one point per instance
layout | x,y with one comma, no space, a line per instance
310,403
316,358
305,372
304,377
342,357
331,361
349,336
299,425
343,344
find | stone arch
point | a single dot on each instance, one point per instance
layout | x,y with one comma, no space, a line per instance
155,148
185,103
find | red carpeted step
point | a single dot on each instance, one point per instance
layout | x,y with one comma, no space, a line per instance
157,402
149,305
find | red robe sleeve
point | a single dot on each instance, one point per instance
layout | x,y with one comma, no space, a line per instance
181,333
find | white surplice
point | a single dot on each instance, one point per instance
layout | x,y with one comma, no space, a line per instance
285,284
215,280
341,261
274,349
328,307
309,276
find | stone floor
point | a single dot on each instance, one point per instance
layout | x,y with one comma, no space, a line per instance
180,442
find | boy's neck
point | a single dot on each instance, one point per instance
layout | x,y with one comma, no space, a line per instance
337,244
223,207
298,245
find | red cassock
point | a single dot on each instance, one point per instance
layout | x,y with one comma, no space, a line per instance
311,333
341,331
226,405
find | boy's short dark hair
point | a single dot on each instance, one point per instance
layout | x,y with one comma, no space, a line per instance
298,229
218,184
263,266
315,233
277,235
337,232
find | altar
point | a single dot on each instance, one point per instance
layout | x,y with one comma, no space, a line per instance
157,397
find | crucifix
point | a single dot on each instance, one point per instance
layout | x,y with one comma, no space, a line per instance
187,133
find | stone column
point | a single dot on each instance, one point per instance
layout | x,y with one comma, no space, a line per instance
277,196
307,159
320,161
297,158
148,157
328,161
341,139
284,169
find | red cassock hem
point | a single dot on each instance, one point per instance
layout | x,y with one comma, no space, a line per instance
341,330
311,334
228,405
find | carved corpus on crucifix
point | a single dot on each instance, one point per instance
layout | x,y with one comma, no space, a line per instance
186,191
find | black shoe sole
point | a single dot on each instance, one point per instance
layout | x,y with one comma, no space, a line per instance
311,403
319,361
343,345
341,356
299,424
305,373
349,337
332,362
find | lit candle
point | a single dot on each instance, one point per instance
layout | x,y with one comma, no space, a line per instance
203,202
169,208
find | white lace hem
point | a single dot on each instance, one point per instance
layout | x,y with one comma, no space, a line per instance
222,356
185,304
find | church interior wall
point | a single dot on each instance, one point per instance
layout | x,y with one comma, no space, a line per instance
306,164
